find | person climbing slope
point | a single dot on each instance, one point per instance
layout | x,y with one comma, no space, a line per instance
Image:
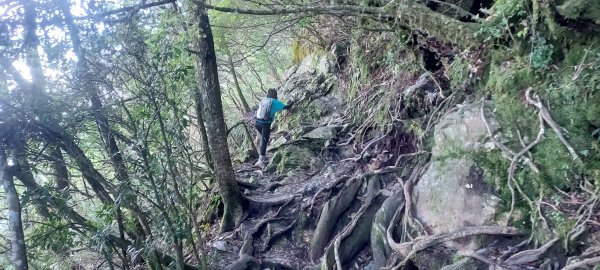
267,108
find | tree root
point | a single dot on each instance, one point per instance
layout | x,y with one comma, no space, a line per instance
246,260
512,167
583,264
535,101
508,153
379,245
332,210
409,249
258,204
384,170
514,157
529,256
273,236
349,228
268,218
362,153
475,255
408,220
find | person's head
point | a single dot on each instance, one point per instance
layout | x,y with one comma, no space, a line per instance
272,93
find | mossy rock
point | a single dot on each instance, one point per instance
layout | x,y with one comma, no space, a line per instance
293,157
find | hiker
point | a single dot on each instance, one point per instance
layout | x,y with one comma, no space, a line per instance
267,108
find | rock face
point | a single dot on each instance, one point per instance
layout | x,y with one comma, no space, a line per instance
452,193
311,83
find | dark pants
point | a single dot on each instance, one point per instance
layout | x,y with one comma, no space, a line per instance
265,133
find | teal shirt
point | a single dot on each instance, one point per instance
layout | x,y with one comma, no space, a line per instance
276,106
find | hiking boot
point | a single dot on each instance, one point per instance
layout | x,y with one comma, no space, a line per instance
261,162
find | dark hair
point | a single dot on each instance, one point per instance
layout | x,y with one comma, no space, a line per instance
272,93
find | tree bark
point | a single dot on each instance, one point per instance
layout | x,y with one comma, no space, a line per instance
61,174
15,225
215,122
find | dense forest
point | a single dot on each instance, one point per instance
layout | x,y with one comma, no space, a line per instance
420,134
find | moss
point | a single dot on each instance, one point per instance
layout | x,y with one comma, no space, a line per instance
509,74
293,157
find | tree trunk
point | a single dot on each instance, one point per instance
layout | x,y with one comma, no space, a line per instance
61,174
15,225
215,122
202,128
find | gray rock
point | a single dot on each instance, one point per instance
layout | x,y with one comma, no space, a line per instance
321,133
462,131
452,193
220,245
289,73
308,65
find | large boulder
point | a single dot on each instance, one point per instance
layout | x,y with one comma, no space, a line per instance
453,193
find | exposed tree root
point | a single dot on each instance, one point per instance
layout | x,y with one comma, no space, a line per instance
379,244
583,264
535,101
273,236
514,157
512,167
481,258
409,249
247,185
349,228
508,153
529,256
408,220
246,260
331,212
362,153
258,204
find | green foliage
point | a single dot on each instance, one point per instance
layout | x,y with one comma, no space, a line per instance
54,234
505,14
541,54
